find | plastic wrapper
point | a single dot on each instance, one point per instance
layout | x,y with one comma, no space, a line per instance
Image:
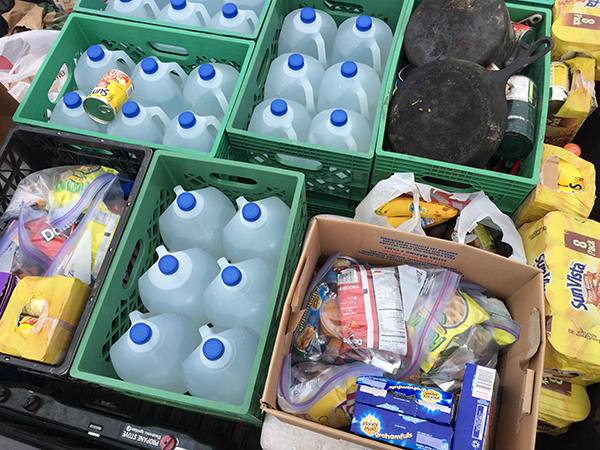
319,392
562,403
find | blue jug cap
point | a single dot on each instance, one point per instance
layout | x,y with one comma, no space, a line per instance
278,107
213,349
124,1
251,212
364,23
72,100
95,52
231,276
349,69
186,201
130,109
187,119
338,118
149,65
308,15
229,10
296,61
178,4
206,71
127,187
168,264
140,333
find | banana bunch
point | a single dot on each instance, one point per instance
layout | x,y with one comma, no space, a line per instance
400,209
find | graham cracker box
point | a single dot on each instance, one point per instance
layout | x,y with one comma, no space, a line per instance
520,286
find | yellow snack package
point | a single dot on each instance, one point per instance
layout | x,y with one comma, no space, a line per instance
567,183
567,250
41,317
562,403
71,183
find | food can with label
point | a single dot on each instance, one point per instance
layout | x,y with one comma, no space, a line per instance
106,99
559,86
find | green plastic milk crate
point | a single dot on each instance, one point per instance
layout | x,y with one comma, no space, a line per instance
136,253
188,49
505,190
98,8
332,172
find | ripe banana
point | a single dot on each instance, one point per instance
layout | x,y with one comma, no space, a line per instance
396,221
403,206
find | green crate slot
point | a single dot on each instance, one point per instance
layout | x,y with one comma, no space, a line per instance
139,41
323,204
332,172
136,254
506,191
98,8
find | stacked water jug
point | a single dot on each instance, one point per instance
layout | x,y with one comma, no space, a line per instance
324,86
166,107
207,296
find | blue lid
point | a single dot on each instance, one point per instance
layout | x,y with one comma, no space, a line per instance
149,65
308,15
130,109
187,119
186,201
72,100
140,333
95,52
231,276
124,1
251,212
178,4
229,10
278,107
364,23
213,349
206,71
296,61
349,69
168,264
338,118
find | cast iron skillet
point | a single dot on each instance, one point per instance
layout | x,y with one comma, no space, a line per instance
473,30
454,110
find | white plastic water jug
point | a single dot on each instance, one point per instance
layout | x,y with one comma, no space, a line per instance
192,132
159,84
363,39
256,231
308,31
153,349
339,128
182,12
196,219
209,88
254,5
212,6
95,62
350,86
139,122
144,9
230,18
281,119
240,294
176,281
69,112
293,76
219,369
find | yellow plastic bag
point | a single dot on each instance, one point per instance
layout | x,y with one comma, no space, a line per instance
41,317
562,403
567,183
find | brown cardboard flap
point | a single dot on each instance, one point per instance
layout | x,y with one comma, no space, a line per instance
527,395
8,106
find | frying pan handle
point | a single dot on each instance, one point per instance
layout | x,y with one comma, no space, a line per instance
523,60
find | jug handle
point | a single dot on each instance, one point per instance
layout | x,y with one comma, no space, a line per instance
223,102
363,102
202,14
135,317
291,133
310,96
252,18
126,60
376,54
212,121
153,8
321,52
174,67
158,113
351,142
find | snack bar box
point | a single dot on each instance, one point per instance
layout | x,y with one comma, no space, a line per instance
521,286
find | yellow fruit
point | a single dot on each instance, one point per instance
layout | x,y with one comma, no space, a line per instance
404,206
396,221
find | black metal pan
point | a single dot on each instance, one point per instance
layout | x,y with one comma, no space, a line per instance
454,110
473,30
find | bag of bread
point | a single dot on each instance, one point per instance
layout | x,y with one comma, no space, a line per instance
562,403
567,250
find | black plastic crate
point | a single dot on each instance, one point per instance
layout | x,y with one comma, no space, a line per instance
26,150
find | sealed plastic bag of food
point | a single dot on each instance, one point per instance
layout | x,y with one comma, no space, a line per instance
321,393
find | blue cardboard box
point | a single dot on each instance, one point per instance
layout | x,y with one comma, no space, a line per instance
409,399
476,417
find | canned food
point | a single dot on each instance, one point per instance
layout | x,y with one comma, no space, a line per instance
106,99
559,86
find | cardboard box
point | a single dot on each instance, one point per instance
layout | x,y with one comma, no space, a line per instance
521,286
477,415
8,106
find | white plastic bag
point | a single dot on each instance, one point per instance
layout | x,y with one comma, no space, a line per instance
25,52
